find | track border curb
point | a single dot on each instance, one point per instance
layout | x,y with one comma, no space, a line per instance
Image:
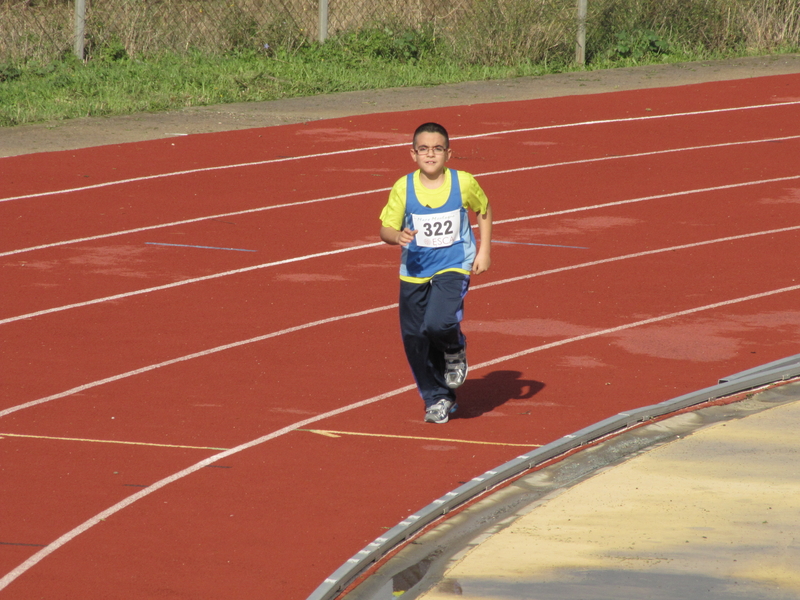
773,372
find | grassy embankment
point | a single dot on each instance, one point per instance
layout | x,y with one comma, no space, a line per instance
493,39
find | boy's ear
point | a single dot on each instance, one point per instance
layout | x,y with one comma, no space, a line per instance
413,154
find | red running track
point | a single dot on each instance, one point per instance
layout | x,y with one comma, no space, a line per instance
203,393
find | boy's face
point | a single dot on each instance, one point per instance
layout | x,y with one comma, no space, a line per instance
430,152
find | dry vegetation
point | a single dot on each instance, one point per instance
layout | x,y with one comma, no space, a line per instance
473,31
156,55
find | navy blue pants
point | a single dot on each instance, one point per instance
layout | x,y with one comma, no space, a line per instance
430,323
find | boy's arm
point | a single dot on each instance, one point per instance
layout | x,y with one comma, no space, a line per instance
483,260
392,230
393,237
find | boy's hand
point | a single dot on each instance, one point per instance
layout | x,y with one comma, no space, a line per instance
406,236
484,258
395,237
481,264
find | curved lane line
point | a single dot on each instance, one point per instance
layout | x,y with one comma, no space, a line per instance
200,354
675,315
67,537
194,220
633,119
599,159
603,261
377,190
260,338
717,188
385,146
175,284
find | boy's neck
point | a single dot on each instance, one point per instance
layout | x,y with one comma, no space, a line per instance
432,182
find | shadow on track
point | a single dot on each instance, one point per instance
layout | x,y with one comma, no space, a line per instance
480,396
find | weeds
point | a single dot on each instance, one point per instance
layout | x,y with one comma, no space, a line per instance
169,54
637,45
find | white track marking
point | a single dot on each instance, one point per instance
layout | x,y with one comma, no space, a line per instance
194,220
639,155
611,330
191,172
365,246
717,188
370,311
185,282
53,546
379,190
200,354
387,146
69,536
629,119
604,261
40,555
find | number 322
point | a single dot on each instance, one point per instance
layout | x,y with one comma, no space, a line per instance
437,228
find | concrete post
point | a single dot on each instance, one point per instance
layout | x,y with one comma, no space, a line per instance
80,28
580,47
323,21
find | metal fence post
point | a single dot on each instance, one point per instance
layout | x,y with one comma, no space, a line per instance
580,47
323,20
80,28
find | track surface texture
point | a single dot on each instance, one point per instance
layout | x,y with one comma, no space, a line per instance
203,390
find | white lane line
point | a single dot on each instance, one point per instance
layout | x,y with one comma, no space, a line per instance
184,282
717,188
639,155
604,261
96,186
200,354
379,190
675,315
365,246
370,311
194,220
694,113
386,146
89,523
67,537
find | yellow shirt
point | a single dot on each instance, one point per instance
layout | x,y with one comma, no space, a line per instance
394,212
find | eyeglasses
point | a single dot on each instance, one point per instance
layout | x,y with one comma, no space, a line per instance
427,149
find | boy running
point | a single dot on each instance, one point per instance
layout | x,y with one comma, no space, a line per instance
427,215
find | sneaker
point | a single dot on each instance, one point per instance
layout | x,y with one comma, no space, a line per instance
440,412
455,368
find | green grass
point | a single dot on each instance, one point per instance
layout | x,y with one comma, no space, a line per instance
112,83
69,89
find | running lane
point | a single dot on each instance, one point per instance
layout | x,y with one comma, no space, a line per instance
220,408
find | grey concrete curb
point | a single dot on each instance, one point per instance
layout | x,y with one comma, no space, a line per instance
780,370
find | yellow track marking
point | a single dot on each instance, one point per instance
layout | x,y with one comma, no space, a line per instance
331,433
66,439
321,432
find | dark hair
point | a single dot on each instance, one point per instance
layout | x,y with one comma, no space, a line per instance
432,128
